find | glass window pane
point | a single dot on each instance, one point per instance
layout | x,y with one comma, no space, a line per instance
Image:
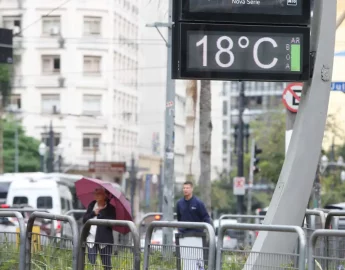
45,202
20,200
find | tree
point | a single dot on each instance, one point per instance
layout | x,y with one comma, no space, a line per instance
29,159
5,92
269,133
205,134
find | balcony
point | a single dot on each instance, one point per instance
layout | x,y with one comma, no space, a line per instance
53,81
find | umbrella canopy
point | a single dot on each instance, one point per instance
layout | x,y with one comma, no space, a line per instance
85,188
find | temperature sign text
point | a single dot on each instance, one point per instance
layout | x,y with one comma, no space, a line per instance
251,52
229,52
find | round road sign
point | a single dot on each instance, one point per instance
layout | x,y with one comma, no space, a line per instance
291,96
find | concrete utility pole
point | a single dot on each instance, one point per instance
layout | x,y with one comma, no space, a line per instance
298,172
168,167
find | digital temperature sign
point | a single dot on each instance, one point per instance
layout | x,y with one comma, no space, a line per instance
245,11
235,52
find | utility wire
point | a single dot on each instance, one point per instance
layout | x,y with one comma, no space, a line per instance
40,18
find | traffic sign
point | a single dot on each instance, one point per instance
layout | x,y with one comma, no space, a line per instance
338,86
292,96
6,44
244,11
239,186
241,52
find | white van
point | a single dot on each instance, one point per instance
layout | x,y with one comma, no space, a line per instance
40,193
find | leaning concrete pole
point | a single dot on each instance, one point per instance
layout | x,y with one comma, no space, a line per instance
295,183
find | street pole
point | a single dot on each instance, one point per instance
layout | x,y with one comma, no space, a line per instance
240,171
16,150
290,121
133,182
168,167
51,149
160,188
94,159
250,184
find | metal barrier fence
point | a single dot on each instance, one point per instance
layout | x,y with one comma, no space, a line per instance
50,252
13,243
127,256
42,251
326,262
334,246
228,258
71,213
178,256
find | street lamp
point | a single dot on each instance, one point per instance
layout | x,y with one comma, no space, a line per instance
42,149
59,150
342,176
323,164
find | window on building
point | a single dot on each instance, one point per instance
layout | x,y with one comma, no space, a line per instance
92,65
91,141
234,103
225,127
92,26
46,139
50,103
15,102
12,22
225,146
51,64
254,102
225,108
51,25
92,104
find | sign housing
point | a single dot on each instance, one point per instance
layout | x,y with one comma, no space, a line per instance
241,52
288,12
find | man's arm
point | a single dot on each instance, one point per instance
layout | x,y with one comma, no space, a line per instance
178,211
205,217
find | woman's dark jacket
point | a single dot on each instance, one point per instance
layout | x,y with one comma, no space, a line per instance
104,234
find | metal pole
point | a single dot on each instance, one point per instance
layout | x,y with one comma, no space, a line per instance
250,184
51,148
290,121
94,160
16,150
160,188
168,168
298,171
42,163
132,177
240,171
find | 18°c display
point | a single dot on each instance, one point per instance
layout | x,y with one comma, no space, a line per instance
233,51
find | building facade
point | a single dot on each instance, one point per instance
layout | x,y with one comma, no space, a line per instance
76,67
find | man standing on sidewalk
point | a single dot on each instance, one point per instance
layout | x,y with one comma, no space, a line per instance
191,209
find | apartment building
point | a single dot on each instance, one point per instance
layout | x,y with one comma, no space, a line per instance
76,66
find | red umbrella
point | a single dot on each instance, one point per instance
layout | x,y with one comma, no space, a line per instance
85,188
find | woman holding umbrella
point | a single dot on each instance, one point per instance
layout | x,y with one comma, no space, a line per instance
102,201
100,238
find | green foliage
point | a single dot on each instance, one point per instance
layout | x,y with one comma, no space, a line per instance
269,133
29,159
5,82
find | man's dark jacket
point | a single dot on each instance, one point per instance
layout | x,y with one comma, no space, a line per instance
104,234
